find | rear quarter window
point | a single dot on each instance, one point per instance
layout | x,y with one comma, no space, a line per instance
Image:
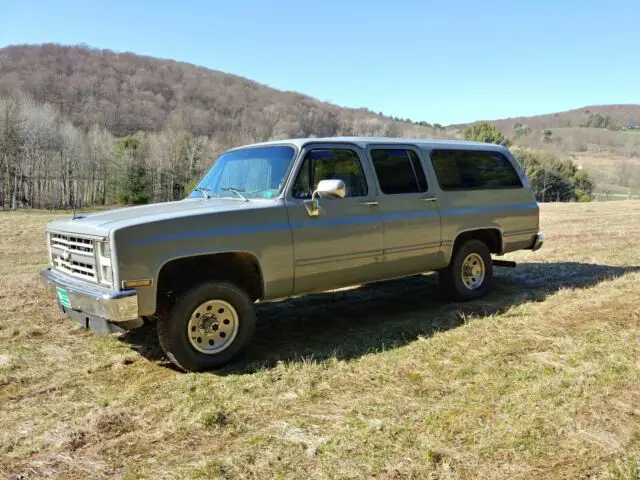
469,169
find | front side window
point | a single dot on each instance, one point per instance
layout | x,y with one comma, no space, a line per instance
258,172
398,171
468,169
330,164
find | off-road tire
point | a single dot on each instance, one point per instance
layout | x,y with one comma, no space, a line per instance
173,332
452,286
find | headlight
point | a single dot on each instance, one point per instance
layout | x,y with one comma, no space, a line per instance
103,259
105,249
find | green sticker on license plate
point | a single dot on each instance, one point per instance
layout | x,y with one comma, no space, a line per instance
64,298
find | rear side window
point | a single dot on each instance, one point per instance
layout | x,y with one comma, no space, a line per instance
330,164
468,169
398,171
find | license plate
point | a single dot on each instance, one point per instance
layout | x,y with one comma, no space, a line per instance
63,297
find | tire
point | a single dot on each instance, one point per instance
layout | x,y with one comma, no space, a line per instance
208,326
455,285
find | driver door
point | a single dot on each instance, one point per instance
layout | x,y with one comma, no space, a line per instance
342,245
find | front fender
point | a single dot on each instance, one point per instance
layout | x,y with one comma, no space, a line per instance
142,250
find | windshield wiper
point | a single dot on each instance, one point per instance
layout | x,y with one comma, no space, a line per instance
236,191
204,191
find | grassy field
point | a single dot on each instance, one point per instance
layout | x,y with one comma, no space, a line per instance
539,380
606,168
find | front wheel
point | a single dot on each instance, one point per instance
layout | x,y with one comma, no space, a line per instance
208,327
469,273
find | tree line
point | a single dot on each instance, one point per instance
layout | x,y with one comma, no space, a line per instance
48,162
82,126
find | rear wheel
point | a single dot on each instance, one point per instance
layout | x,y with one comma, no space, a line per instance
208,327
469,273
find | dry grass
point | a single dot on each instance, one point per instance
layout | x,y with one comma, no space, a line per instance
539,380
606,169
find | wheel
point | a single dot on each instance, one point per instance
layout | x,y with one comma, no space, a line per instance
207,327
469,273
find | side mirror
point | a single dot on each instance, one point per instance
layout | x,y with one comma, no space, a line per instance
330,189
326,189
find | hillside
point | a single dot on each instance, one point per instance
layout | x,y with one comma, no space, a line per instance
620,115
596,138
64,110
127,93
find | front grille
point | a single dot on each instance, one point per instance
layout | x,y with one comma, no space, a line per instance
73,255
75,268
72,243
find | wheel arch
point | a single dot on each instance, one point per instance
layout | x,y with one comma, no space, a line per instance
490,236
240,267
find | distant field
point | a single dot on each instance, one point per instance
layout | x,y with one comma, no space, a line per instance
600,136
541,380
612,157
605,164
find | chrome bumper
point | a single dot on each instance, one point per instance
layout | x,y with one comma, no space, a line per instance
93,299
538,242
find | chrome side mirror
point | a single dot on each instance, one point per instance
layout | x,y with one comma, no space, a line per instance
326,189
330,189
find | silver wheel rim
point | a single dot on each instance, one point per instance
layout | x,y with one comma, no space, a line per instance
473,271
213,326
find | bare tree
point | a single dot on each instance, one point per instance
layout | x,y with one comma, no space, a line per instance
623,171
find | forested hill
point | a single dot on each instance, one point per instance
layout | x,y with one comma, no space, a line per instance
80,126
598,116
128,93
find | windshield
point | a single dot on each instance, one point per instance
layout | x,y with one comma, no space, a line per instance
253,172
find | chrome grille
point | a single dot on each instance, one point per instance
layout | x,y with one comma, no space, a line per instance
72,243
78,269
73,255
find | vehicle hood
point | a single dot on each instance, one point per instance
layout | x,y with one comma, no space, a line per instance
102,223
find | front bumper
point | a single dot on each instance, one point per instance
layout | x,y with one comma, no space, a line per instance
93,300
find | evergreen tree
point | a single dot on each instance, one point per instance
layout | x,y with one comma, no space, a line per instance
485,132
135,185
555,179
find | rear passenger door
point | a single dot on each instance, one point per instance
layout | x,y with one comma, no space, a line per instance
408,209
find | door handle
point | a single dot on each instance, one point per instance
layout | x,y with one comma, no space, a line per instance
429,199
369,204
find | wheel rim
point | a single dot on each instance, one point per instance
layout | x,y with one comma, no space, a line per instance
473,271
213,326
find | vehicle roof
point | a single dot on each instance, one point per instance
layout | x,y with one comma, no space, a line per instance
363,142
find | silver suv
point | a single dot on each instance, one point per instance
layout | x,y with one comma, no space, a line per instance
290,217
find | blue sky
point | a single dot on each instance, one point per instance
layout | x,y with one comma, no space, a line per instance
439,61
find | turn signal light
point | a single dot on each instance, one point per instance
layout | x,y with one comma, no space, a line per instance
136,283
